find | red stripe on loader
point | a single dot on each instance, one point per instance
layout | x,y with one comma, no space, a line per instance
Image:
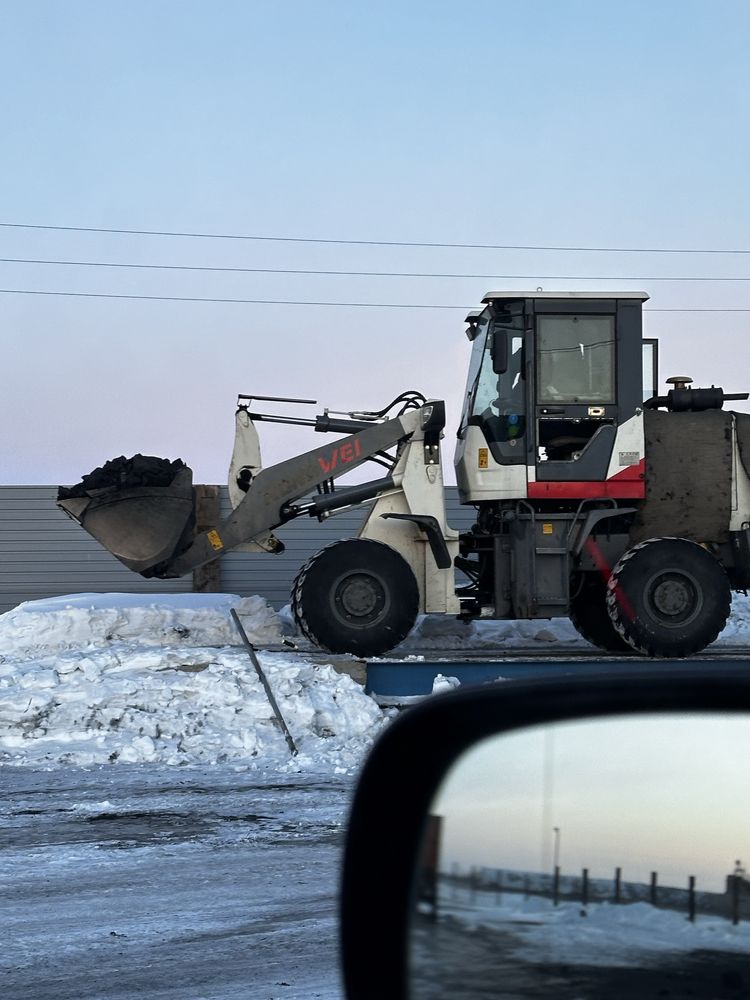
605,571
618,489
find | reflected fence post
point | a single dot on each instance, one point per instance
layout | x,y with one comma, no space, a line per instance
736,881
476,885
429,864
734,886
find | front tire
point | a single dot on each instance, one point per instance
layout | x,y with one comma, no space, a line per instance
356,596
668,597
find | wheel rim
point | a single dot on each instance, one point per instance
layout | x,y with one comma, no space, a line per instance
673,598
359,599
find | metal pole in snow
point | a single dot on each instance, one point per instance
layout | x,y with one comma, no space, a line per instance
266,686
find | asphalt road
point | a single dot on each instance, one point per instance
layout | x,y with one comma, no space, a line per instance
199,884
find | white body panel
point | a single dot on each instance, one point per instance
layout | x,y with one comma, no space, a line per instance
246,455
419,491
629,448
496,482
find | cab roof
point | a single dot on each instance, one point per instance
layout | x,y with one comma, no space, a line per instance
591,296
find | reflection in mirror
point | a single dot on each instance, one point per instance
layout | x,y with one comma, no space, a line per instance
590,859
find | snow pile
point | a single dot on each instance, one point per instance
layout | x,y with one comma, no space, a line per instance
97,679
442,684
447,632
600,934
737,628
79,620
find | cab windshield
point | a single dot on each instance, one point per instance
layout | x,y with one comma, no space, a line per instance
497,403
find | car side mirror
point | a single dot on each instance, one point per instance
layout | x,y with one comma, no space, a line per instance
563,837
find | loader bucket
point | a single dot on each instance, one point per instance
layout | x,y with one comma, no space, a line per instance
139,509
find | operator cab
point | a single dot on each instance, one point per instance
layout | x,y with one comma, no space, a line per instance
552,377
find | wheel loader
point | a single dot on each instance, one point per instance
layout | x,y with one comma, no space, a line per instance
595,497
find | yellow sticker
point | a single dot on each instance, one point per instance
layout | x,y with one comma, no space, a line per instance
215,540
547,528
484,458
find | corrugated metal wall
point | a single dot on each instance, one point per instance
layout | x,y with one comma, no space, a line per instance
43,553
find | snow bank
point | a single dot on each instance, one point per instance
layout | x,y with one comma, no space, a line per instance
80,620
446,632
737,630
94,679
599,934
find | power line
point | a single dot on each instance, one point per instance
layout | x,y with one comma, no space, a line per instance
299,302
364,274
257,302
371,243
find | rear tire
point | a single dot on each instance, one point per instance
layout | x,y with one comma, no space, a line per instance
356,596
590,617
668,597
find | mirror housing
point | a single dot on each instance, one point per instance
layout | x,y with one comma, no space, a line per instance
499,351
406,767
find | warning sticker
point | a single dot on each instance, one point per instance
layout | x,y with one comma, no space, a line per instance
215,540
484,458
629,458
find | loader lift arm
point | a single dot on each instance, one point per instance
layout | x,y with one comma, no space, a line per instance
148,528
272,495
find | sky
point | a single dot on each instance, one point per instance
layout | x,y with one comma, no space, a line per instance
536,124
668,795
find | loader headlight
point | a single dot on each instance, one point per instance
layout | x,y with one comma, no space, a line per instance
426,415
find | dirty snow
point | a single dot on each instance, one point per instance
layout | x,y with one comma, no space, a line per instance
446,632
94,679
99,678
